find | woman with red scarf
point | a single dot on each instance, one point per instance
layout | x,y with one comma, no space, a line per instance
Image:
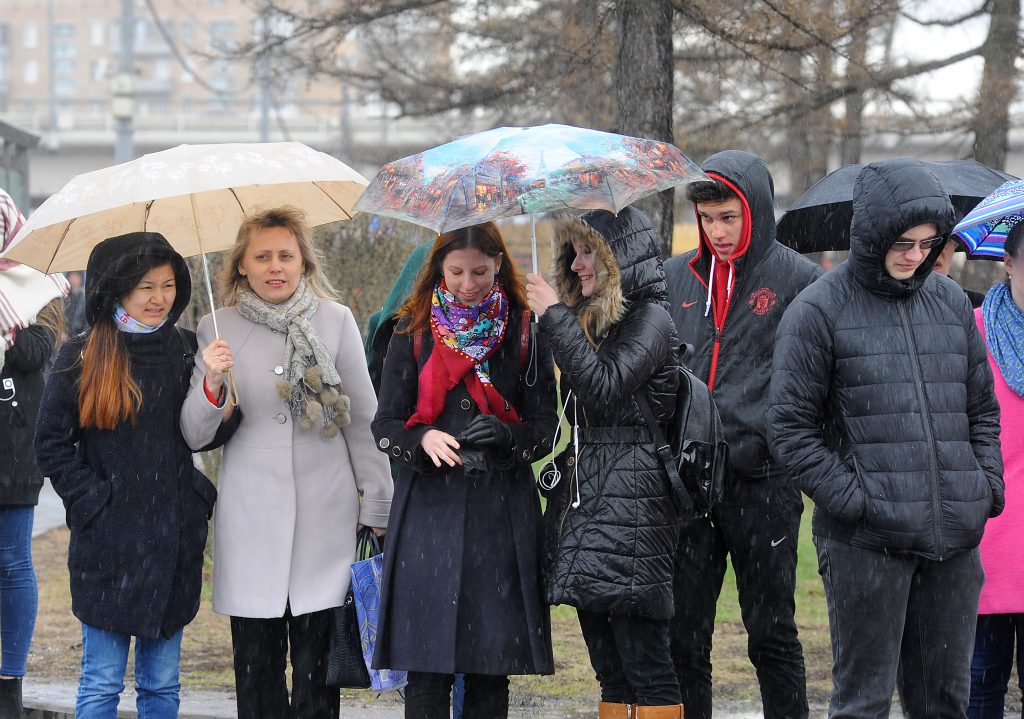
467,404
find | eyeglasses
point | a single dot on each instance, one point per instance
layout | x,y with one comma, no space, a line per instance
902,245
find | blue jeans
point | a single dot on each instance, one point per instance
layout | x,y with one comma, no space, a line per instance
999,636
104,659
19,596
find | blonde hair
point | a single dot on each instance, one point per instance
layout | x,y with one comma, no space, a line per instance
294,221
52,318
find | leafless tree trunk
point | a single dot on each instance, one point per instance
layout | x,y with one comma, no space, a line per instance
644,86
853,131
991,124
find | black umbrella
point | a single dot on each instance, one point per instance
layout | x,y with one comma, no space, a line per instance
820,220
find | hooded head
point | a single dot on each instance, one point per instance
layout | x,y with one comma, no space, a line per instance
118,263
627,263
747,176
890,198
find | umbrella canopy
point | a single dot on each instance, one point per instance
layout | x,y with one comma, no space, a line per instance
194,195
984,229
820,220
511,171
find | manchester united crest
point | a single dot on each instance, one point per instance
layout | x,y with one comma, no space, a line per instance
761,301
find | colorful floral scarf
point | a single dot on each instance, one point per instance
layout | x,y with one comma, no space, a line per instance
465,337
1004,334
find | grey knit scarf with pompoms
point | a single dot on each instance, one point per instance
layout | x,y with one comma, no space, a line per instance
311,386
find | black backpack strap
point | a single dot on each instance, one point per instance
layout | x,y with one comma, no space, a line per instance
680,497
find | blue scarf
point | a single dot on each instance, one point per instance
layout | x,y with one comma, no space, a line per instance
1004,334
126,323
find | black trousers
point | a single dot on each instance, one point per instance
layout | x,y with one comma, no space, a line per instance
756,525
260,648
631,658
428,696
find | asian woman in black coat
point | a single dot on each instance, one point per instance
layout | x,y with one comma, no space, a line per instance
108,437
465,412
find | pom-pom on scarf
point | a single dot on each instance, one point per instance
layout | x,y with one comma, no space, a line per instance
311,387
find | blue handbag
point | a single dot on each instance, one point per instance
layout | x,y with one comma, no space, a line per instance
366,580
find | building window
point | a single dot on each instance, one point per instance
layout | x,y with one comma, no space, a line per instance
222,35
31,72
30,35
64,31
98,69
96,33
64,68
64,85
162,70
188,32
64,49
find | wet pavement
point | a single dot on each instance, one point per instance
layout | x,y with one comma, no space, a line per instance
56,701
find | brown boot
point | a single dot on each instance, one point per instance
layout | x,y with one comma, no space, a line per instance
672,711
610,710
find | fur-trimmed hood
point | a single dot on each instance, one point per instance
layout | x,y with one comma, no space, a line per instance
627,259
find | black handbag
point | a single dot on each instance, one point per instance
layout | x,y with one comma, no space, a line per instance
345,666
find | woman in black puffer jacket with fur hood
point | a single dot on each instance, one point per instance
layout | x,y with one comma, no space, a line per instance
614,528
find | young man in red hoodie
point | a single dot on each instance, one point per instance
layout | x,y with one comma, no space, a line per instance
726,299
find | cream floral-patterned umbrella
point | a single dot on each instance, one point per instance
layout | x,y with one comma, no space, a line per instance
194,195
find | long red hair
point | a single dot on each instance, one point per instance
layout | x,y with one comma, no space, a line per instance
485,238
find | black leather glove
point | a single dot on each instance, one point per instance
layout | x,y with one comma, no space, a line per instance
475,462
486,430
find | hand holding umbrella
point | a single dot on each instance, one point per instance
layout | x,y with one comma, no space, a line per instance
218,361
539,294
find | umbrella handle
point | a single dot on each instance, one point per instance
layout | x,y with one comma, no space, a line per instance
232,389
533,240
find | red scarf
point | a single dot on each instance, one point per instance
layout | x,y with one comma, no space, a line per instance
464,339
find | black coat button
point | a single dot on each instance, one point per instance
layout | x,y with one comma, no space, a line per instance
384,443
465,404
396,450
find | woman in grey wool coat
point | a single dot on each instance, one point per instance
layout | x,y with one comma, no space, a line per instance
301,472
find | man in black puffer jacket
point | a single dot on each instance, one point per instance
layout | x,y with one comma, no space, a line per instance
726,299
883,409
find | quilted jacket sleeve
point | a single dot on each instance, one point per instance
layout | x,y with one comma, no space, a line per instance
983,409
802,370
609,377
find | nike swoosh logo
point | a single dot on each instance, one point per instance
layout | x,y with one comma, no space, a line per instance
689,304
777,542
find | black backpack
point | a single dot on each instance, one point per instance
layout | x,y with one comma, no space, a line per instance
695,453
